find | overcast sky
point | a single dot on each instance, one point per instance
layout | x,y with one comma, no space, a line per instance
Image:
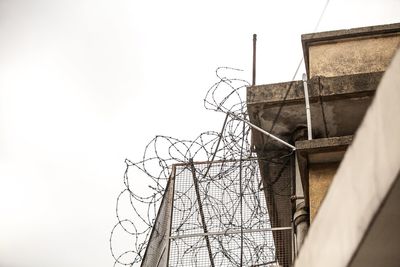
85,84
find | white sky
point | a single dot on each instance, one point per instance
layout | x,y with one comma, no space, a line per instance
85,84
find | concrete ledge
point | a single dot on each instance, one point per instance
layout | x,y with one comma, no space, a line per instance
327,88
323,144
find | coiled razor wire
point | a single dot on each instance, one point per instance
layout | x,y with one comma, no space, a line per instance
145,181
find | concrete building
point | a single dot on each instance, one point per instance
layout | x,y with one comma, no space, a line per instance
344,174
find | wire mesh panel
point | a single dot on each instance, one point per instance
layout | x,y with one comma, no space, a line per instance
157,247
277,180
220,217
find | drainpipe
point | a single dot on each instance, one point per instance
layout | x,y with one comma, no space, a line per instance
300,216
307,100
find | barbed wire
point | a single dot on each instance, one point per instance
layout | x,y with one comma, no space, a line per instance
139,201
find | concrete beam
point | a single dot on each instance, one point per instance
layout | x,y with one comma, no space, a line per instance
326,87
323,144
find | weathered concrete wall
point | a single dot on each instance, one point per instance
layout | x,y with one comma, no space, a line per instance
320,178
359,55
362,185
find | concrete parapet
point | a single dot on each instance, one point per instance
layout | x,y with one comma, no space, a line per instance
353,51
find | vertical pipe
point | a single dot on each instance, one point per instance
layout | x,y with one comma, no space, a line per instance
254,58
307,100
300,217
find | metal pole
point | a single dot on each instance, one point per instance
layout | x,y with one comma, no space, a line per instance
216,148
203,220
254,58
263,131
308,113
241,195
233,232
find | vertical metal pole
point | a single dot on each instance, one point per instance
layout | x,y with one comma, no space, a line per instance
307,100
254,58
241,194
203,220
171,180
